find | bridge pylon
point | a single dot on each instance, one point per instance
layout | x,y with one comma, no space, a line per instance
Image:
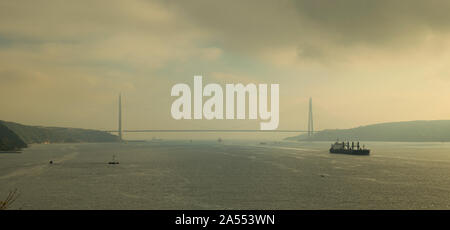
310,119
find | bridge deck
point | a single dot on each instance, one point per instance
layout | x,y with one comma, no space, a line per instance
208,131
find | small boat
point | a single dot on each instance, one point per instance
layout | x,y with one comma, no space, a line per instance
113,162
344,148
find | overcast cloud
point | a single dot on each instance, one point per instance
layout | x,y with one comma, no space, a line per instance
63,63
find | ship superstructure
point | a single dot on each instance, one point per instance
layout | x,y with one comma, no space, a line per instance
345,148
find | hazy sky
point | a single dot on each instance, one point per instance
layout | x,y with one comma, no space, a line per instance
63,63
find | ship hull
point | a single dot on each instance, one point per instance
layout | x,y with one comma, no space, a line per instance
350,151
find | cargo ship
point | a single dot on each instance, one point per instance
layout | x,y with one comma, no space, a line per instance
345,148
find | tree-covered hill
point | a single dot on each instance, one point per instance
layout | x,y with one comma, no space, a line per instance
9,141
408,131
39,134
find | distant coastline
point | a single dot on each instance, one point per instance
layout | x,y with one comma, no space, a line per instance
407,131
25,134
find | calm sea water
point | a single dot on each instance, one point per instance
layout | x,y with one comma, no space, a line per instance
228,175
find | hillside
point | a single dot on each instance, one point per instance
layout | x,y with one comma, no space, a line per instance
9,141
409,131
38,134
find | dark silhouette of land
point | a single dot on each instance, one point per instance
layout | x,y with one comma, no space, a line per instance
408,131
9,141
38,134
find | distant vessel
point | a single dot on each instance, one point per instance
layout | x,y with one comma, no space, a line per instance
113,162
344,148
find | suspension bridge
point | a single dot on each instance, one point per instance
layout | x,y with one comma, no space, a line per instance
120,131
